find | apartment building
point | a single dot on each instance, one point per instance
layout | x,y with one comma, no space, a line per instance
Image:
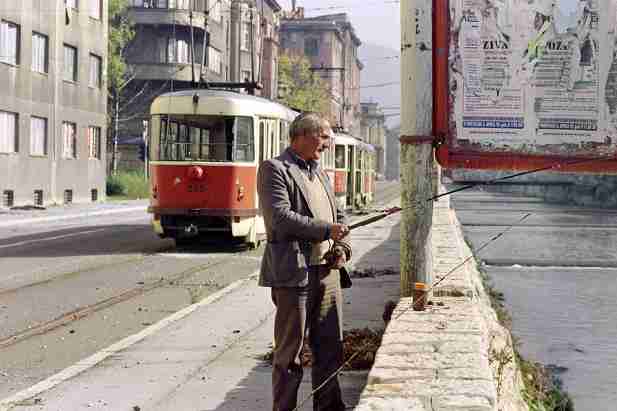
217,32
373,131
331,45
53,101
255,43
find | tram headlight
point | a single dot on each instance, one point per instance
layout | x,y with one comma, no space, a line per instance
240,193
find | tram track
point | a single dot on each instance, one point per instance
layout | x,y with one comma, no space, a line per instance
82,312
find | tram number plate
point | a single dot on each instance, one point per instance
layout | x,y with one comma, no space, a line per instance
196,188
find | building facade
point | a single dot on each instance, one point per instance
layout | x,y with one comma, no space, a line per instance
53,101
254,44
161,53
331,45
373,131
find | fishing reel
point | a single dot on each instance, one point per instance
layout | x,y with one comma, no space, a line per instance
335,252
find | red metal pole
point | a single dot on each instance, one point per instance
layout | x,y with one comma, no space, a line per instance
441,51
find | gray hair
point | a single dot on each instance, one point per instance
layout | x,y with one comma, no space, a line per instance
308,124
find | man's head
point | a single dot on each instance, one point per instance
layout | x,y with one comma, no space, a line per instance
310,134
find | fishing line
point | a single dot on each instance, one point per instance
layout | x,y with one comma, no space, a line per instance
435,284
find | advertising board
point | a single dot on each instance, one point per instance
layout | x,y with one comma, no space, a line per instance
532,83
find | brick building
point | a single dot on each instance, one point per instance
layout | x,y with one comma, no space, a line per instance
53,101
331,45
373,131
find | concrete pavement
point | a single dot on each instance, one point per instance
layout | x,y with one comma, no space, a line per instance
208,356
25,215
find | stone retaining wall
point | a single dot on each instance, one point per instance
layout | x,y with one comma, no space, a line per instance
453,356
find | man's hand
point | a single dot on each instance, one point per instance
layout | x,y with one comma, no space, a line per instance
340,260
338,231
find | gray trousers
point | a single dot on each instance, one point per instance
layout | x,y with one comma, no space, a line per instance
314,311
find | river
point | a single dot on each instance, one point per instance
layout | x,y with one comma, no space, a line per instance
558,273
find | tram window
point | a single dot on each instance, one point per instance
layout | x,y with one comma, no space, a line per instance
273,140
339,153
206,138
244,140
204,144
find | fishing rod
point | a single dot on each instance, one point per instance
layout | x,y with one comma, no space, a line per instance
435,284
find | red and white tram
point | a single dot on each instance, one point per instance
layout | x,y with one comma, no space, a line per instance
354,172
205,147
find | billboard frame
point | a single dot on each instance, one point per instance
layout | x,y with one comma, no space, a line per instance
450,155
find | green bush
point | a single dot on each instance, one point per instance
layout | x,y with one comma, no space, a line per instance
129,184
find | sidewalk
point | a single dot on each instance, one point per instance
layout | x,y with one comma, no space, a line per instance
209,356
31,215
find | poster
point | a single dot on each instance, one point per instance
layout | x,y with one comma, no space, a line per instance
531,74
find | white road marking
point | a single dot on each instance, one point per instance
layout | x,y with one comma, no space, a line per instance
70,216
41,240
207,256
87,363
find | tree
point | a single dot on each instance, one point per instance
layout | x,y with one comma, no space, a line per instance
300,88
119,75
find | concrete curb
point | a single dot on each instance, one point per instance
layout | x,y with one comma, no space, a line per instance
89,362
444,358
68,217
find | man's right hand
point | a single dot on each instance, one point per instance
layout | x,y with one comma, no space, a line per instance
338,231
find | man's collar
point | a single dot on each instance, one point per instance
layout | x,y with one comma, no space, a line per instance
310,165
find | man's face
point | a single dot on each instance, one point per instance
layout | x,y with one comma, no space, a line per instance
312,146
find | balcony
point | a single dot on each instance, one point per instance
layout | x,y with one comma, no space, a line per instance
166,17
166,71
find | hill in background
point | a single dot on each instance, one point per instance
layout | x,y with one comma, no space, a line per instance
381,65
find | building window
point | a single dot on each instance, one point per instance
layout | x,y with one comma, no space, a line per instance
8,132
71,3
95,9
245,40
38,136
311,47
39,52
69,140
94,142
178,51
95,71
214,60
9,43
214,8
246,75
70,63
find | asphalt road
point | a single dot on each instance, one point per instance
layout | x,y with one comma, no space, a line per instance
558,272
73,287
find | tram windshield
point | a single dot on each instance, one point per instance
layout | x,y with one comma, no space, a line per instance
202,138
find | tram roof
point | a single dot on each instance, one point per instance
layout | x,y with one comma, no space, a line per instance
218,102
340,138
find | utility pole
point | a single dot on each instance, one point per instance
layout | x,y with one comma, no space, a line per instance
416,147
114,162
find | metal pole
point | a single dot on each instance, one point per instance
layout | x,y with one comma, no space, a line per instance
416,159
252,39
114,165
192,44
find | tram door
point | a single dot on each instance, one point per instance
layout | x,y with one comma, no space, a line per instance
268,139
262,141
350,175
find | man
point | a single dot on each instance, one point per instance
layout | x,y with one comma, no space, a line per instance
302,224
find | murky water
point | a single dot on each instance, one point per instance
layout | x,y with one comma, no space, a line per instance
568,318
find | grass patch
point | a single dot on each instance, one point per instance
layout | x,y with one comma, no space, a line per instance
362,344
543,390
128,185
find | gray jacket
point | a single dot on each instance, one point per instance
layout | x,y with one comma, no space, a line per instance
290,225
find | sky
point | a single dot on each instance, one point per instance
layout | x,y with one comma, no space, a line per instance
375,21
